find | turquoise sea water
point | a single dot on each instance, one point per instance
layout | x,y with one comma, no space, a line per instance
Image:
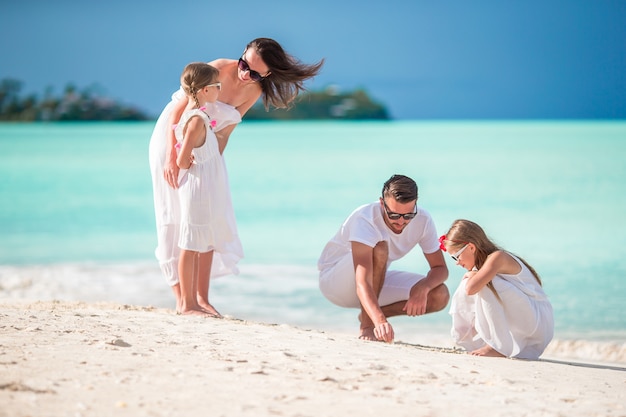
77,222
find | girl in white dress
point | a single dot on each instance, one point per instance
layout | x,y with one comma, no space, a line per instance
499,308
207,223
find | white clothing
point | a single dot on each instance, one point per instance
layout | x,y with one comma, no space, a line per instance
366,225
166,201
338,284
207,216
519,325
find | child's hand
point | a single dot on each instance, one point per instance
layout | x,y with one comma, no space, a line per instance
469,274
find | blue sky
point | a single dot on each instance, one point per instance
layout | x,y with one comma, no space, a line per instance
422,59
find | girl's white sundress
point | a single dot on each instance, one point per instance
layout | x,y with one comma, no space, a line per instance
520,324
207,215
166,199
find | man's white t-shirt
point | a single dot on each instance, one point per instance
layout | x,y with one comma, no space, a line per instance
366,225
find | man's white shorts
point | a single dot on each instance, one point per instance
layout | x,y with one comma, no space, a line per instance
338,284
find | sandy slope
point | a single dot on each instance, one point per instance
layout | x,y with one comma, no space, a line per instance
77,359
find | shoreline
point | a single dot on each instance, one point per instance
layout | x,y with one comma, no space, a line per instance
104,358
263,295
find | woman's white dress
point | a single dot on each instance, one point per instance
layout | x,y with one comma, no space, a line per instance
520,324
166,199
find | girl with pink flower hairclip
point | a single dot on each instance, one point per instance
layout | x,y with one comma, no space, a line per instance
499,307
207,222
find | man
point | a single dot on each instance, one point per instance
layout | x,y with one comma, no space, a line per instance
354,264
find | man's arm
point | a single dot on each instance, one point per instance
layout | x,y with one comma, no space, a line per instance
438,273
362,256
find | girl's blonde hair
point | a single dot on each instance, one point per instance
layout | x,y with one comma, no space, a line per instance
196,76
463,232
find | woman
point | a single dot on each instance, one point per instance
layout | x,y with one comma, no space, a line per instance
499,308
264,70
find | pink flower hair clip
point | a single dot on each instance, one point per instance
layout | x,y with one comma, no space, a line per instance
442,239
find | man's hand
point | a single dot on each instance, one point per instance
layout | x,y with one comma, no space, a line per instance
418,298
384,332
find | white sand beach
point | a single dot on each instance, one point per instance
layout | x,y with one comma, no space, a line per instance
80,359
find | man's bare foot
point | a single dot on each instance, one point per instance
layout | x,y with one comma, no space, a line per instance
367,329
209,309
368,334
487,351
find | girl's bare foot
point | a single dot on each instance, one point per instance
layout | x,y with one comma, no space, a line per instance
209,309
194,312
487,351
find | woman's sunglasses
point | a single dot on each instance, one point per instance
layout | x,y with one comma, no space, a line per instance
254,76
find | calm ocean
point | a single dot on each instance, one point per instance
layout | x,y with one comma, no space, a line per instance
77,222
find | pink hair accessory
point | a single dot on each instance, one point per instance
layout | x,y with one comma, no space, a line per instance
442,239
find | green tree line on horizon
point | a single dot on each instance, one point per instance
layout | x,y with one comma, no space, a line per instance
73,105
90,105
329,103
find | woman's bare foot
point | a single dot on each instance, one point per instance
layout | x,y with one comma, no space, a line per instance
177,296
487,351
209,309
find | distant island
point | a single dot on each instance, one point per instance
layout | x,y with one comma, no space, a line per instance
73,105
89,105
329,104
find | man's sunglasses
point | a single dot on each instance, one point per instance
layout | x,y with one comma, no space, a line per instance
254,76
396,216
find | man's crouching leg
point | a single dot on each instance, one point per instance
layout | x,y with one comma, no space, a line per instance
438,299
380,256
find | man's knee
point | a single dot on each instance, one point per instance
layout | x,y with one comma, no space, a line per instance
438,298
